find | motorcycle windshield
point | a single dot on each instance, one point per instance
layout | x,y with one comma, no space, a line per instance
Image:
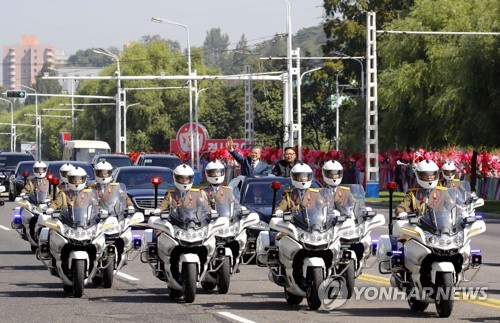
187,218
311,218
38,196
113,199
440,215
83,213
228,211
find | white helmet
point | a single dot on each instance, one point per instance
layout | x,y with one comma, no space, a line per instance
215,172
77,179
63,172
427,174
332,173
301,175
449,170
103,171
40,169
183,177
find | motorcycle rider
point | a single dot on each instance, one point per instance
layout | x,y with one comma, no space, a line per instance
63,174
184,195
335,194
302,193
427,173
38,182
77,191
104,185
216,192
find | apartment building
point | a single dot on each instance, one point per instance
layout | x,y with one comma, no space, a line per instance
22,63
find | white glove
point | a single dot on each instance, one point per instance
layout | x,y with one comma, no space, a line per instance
156,212
402,216
49,211
279,213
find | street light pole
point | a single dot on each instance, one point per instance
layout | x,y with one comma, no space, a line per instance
362,70
125,125
37,125
196,109
118,120
12,129
299,108
288,116
161,20
337,105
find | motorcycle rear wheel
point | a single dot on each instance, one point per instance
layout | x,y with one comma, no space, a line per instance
174,293
293,299
108,274
189,274
208,286
78,277
224,277
416,305
316,278
445,293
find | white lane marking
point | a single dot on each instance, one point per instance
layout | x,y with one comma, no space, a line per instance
236,317
126,276
5,228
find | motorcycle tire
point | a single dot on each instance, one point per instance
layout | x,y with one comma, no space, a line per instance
416,305
11,196
78,277
316,278
33,248
174,293
108,273
444,295
349,276
208,286
97,280
293,299
224,277
189,274
68,289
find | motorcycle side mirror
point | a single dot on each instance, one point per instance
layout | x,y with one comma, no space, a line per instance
469,220
287,216
25,197
370,214
478,203
341,218
214,215
165,215
103,214
244,211
414,220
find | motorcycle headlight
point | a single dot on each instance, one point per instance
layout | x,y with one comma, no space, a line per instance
459,239
431,239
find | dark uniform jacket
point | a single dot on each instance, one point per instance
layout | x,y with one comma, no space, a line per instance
105,191
416,198
72,198
337,197
246,165
282,168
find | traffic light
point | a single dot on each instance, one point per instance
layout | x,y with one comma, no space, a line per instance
16,94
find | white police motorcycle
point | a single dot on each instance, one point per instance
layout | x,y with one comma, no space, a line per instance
72,243
308,253
26,217
180,248
436,254
355,233
230,244
120,243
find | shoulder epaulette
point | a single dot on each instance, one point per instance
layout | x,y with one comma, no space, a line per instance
227,187
315,190
170,191
195,190
345,188
287,191
87,190
456,180
441,188
413,189
114,184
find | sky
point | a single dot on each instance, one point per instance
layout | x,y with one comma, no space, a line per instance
74,25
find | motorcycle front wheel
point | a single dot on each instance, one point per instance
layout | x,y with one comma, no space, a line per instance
224,277
78,277
445,293
108,274
189,274
349,277
316,278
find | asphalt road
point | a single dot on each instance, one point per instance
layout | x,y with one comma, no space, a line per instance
28,293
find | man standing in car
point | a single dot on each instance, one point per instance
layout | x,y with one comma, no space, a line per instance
251,165
283,167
